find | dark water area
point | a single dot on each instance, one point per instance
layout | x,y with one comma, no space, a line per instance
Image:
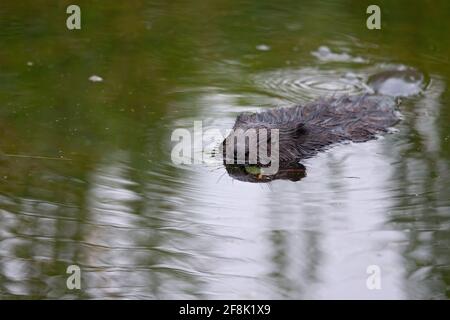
86,176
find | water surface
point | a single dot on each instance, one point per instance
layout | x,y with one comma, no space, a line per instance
87,179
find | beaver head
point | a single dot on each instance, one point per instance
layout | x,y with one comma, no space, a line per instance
258,138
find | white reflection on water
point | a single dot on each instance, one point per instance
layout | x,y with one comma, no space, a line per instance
312,239
105,255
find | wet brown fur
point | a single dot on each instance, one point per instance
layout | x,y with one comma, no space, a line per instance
310,128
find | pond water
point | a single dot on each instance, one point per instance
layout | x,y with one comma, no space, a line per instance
86,118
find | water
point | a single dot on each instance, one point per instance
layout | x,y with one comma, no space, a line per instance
87,177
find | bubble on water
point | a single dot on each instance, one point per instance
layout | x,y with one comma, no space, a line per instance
402,82
262,47
293,26
95,78
323,53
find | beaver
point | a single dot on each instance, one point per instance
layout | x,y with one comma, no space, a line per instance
304,130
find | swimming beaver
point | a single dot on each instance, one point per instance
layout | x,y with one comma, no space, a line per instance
308,129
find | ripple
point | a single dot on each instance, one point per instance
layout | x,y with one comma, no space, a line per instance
309,83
